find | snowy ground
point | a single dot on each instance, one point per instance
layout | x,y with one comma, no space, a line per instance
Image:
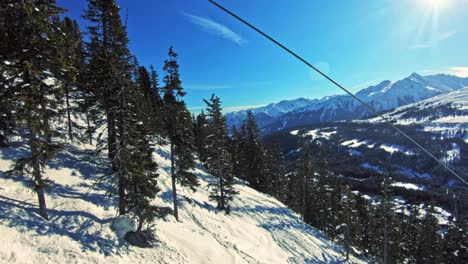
259,230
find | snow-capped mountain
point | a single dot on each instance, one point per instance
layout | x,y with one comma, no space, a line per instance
383,96
442,113
269,113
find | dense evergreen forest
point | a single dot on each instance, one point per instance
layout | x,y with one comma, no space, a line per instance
51,73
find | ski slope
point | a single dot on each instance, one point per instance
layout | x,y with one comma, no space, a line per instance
80,230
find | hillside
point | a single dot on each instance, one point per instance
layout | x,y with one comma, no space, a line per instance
259,230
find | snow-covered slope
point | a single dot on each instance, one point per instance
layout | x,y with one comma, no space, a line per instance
259,230
446,113
383,96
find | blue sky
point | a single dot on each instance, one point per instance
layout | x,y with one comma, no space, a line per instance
357,42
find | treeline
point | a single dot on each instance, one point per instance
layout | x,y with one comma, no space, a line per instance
377,228
52,80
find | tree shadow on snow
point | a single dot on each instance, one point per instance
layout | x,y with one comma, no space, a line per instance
77,225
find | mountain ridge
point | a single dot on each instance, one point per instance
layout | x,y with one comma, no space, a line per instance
383,96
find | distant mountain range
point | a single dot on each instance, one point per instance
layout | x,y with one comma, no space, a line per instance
383,96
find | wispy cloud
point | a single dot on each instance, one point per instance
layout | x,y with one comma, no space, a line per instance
366,84
216,28
460,71
226,109
435,40
240,107
205,87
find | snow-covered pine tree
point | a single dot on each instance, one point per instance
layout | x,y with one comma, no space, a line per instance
455,243
8,51
237,148
254,154
275,171
200,127
410,234
150,99
303,179
109,77
428,242
138,165
34,40
73,63
178,124
218,160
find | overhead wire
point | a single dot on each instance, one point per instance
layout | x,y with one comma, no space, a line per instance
385,119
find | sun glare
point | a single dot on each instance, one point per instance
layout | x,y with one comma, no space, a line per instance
437,4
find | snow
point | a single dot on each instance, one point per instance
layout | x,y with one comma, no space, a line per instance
355,143
83,227
409,186
50,81
452,119
396,148
316,133
411,173
453,154
372,167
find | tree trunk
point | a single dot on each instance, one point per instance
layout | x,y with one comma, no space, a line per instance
38,184
140,224
111,138
220,175
174,190
90,134
122,204
70,126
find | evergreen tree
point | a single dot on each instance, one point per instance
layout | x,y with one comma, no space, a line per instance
428,250
362,237
218,160
238,149
200,132
254,154
73,64
410,234
34,60
141,171
150,99
179,129
275,171
109,78
455,242
303,181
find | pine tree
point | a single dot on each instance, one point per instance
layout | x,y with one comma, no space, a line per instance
109,78
200,132
254,154
238,149
73,61
410,234
150,99
275,171
218,160
362,238
179,129
140,169
303,179
34,41
455,242
428,250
